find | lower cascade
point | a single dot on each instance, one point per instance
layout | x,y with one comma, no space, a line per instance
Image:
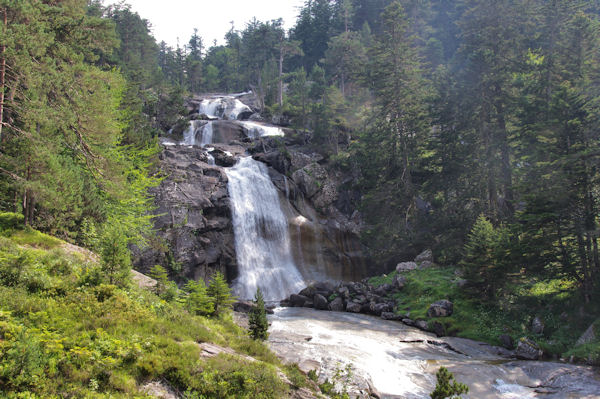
262,239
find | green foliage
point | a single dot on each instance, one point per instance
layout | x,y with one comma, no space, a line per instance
484,260
11,220
258,324
162,279
197,300
100,340
447,387
219,292
114,254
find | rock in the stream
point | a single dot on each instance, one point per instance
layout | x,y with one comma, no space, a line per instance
337,305
298,300
320,302
391,316
405,266
353,307
528,350
421,324
409,322
441,308
506,341
537,326
588,336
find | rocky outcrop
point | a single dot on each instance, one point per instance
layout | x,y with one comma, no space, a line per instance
588,336
421,261
443,308
528,350
193,218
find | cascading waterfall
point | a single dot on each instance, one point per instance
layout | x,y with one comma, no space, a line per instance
262,240
256,130
207,134
223,107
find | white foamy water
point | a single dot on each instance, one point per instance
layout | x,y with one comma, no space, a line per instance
256,130
223,107
207,134
262,240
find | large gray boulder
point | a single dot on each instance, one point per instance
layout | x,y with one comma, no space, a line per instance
537,326
320,302
588,336
337,305
405,266
443,308
353,307
425,256
528,350
298,300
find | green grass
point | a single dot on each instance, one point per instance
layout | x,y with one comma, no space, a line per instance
65,333
555,301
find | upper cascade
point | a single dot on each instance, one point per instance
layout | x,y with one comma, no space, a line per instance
224,107
262,241
256,130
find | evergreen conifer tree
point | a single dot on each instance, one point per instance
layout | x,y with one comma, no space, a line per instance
162,279
219,292
257,323
447,387
198,301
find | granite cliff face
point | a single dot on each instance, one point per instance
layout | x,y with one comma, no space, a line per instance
194,217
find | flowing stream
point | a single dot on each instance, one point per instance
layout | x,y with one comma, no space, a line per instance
262,241
398,361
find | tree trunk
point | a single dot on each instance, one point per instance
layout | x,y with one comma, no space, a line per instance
281,76
2,74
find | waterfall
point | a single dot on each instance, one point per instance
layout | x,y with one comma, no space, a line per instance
223,107
256,130
207,134
262,240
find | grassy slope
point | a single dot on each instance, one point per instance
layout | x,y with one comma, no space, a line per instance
511,315
64,333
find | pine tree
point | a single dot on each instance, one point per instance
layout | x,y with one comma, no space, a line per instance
198,301
257,323
114,254
447,387
219,292
159,273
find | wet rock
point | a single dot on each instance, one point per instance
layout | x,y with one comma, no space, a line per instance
506,341
537,326
337,305
243,306
309,291
344,292
588,336
308,304
320,302
528,350
438,329
425,256
353,307
391,316
441,308
379,308
298,300
405,266
409,322
422,324
307,365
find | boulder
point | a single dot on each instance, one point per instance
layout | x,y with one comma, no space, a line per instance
308,304
337,305
443,308
528,350
391,316
409,322
320,302
353,307
243,306
405,266
343,292
309,291
537,326
298,300
399,281
438,328
588,336
425,256
422,325
379,308
384,289
425,264
506,341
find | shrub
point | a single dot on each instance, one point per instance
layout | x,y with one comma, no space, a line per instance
220,293
11,220
114,254
197,300
446,386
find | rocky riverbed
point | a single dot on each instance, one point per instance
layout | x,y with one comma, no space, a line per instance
392,360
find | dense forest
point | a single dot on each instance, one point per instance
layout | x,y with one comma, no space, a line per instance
469,127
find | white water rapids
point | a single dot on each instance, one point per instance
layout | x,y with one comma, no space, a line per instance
262,242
